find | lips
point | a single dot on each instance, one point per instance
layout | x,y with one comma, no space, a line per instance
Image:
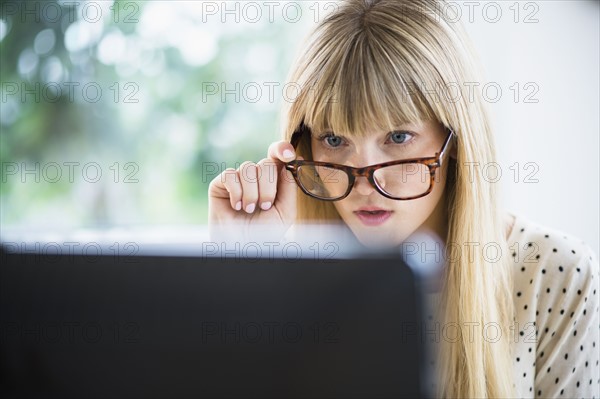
372,216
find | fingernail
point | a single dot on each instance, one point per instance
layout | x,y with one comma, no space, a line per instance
265,205
238,206
288,154
250,208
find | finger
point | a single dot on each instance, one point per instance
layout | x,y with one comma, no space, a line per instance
286,194
231,182
268,170
249,181
282,151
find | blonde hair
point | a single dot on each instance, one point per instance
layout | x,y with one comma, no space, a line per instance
377,64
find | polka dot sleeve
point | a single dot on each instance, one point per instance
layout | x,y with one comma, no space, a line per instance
568,345
557,303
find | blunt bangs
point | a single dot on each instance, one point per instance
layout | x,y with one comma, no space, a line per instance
371,81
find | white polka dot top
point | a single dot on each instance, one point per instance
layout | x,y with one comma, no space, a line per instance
556,279
557,326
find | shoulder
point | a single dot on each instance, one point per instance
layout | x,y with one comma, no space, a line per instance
542,250
550,267
556,284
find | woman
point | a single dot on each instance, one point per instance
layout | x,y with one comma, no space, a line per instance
379,82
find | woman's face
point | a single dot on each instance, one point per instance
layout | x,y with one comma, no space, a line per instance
374,219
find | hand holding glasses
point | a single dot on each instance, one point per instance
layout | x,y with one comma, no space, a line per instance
404,179
259,194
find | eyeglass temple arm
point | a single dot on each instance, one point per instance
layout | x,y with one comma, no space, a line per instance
445,146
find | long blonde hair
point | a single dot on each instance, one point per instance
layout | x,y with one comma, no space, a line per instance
377,64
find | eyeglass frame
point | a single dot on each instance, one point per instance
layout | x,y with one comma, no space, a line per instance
433,163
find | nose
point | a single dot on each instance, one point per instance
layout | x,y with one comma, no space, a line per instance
368,156
362,186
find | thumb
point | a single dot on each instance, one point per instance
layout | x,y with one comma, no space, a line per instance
287,190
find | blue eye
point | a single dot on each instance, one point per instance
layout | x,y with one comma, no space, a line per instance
400,137
333,141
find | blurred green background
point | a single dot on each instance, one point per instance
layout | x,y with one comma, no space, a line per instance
120,113
134,90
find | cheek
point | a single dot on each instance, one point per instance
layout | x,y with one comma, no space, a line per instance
342,207
425,206
318,154
324,155
439,184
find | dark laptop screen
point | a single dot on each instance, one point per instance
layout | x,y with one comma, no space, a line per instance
199,326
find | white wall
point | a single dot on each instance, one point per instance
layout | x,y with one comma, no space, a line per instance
559,133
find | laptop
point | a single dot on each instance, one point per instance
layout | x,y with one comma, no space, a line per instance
204,325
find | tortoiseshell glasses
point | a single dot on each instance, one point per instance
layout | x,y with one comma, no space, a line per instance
404,179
